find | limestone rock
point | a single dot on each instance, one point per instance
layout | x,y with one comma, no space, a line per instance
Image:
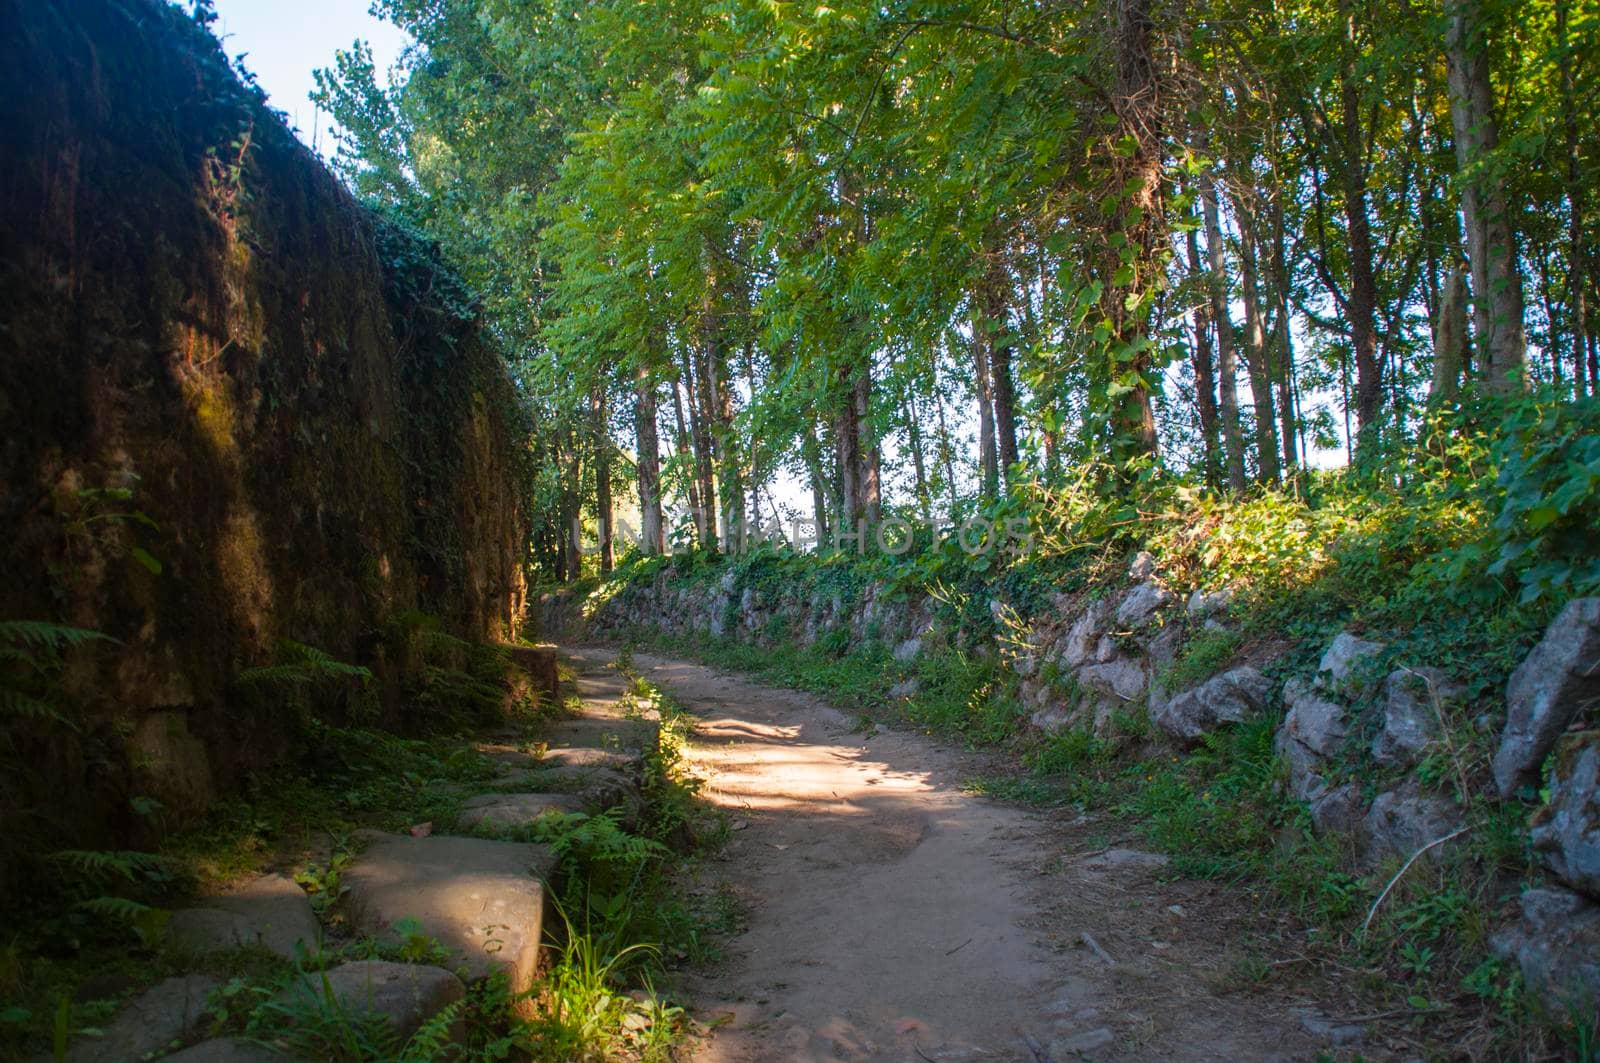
1343,657
1402,821
483,900
1203,604
408,995
1123,679
1553,683
271,912
1313,722
1567,835
1077,646
168,1012
1412,699
907,650
1557,946
1141,603
1334,808
1226,698
904,689
1142,567
509,811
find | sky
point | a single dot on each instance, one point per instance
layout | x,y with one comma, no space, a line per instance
287,39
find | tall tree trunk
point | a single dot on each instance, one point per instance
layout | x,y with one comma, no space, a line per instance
1001,385
1228,367
700,434
1200,356
918,462
1363,301
1257,355
1577,250
1283,339
602,478
574,507
1497,287
871,476
647,434
730,476
811,452
988,454
686,454
1450,338
1139,215
946,446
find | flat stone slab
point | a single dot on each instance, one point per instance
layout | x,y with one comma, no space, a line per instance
406,994
225,1050
603,732
595,787
514,810
271,912
510,757
163,1015
482,900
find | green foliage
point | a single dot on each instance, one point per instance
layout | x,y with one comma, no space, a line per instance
301,664
1204,655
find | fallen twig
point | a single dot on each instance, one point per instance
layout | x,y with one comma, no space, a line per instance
1404,868
959,947
1094,947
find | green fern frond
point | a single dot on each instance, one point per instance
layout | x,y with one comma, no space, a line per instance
101,865
46,635
300,663
120,909
16,703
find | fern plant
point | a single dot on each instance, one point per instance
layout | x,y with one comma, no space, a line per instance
301,664
30,655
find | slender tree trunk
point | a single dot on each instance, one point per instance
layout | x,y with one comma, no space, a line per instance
700,434
730,475
1257,354
811,452
1577,251
574,508
988,455
1449,337
1200,354
1283,345
1363,303
918,462
647,434
1139,215
1491,246
871,476
602,478
1001,385
946,447
1228,369
686,455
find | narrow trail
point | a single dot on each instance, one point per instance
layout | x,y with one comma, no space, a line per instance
892,916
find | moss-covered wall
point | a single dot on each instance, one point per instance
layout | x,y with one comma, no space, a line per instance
238,408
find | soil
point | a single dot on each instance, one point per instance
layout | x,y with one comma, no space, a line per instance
892,915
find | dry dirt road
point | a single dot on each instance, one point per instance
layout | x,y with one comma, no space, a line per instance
893,916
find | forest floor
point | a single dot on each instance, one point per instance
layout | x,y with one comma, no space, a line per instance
892,914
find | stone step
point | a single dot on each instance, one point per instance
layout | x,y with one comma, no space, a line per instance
270,912
508,811
168,1012
540,662
405,994
483,900
596,787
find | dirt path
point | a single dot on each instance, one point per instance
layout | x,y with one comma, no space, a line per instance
892,916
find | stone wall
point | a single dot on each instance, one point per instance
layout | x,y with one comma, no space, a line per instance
239,408
1356,728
